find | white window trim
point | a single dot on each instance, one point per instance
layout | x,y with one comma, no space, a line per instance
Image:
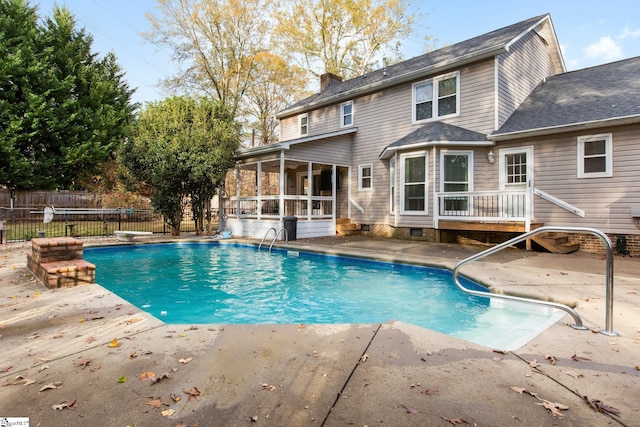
434,106
608,138
393,168
300,117
404,156
469,154
342,115
360,177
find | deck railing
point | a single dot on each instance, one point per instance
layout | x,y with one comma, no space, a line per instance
483,206
303,207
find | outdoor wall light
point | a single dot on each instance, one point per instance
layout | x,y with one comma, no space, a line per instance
491,157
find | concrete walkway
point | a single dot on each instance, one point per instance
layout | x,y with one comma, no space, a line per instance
56,353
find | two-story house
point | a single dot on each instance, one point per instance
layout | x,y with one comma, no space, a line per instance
481,138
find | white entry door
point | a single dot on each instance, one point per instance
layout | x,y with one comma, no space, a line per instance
516,175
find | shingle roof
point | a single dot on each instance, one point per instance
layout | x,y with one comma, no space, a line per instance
491,43
583,97
434,132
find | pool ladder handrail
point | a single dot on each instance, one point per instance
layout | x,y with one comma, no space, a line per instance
546,229
286,236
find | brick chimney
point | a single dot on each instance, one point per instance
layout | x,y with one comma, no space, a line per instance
327,79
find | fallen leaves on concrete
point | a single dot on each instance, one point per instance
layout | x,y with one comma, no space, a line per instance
599,406
68,404
554,407
51,386
454,421
580,358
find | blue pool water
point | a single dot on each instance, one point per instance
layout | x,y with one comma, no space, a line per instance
213,283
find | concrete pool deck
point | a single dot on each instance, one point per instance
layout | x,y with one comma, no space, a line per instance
56,353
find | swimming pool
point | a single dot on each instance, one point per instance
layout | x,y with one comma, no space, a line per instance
217,283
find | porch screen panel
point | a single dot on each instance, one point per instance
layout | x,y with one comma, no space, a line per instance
456,179
415,175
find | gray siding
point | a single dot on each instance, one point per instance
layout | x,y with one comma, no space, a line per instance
606,201
335,150
523,68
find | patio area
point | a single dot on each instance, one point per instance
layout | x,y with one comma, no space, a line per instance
61,365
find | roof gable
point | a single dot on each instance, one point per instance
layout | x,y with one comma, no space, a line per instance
474,49
586,97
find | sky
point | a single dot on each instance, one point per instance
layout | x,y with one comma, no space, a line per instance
590,32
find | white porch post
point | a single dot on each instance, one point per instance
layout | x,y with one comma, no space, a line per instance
309,189
282,190
259,189
334,191
238,187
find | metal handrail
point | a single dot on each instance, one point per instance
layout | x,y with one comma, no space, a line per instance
265,236
578,325
286,236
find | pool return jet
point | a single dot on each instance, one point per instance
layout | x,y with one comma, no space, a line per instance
549,229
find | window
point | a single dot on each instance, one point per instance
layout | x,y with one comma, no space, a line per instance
365,177
456,176
346,114
303,124
595,158
413,178
436,98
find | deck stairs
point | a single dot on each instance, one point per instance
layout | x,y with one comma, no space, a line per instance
344,227
557,243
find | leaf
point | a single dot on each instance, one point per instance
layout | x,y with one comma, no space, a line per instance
431,392
160,378
90,340
84,363
157,403
6,369
551,358
580,358
168,412
518,389
63,405
364,358
185,361
409,409
193,393
533,363
121,380
133,355
130,321
268,387
113,343
146,375
599,406
175,397
572,374
554,407
51,386
454,421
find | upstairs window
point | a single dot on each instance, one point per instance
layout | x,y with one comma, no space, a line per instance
303,124
365,177
595,158
346,114
436,98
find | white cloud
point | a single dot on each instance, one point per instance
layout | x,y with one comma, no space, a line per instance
606,49
626,33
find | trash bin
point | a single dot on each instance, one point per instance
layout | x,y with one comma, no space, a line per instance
291,225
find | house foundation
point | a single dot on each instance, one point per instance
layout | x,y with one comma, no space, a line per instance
58,262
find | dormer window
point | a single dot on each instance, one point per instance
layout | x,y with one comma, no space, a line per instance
436,98
346,114
303,124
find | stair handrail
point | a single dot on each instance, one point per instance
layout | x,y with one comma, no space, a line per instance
265,236
550,229
286,236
